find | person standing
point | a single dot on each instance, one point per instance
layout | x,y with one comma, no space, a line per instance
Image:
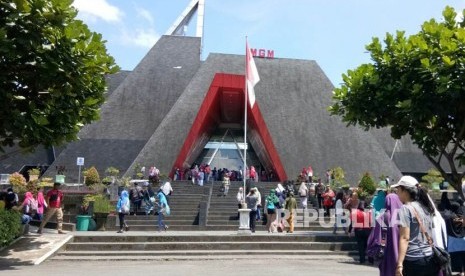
122,207
201,177
310,174
415,252
54,198
387,267
226,182
303,193
270,202
135,196
339,213
167,190
290,205
320,189
240,199
362,230
41,205
259,203
252,201
328,200
163,207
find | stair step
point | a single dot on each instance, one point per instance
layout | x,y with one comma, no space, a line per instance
207,245
203,252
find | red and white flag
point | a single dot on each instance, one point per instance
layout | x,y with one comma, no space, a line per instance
251,75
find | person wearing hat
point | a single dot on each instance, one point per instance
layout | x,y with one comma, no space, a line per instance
54,198
415,253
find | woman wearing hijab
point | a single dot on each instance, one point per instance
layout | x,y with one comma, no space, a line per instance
41,205
339,213
387,232
162,208
378,202
240,198
303,193
122,207
28,207
270,202
454,215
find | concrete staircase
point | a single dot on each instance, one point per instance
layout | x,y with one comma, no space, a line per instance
185,205
203,225
198,245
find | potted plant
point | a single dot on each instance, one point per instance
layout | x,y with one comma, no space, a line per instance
60,177
33,174
102,208
18,182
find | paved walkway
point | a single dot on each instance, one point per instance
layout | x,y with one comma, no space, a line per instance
32,249
251,267
19,259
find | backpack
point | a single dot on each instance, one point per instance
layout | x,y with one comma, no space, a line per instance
125,207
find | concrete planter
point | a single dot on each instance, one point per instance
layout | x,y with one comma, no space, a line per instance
100,220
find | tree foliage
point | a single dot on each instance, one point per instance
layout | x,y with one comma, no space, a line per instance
52,70
416,86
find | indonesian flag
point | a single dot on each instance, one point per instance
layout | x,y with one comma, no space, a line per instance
251,75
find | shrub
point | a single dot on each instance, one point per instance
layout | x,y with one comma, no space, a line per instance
92,176
112,171
433,177
367,184
34,171
10,226
18,182
101,203
339,180
31,186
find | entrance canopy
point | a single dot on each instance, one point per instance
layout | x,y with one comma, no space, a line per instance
223,108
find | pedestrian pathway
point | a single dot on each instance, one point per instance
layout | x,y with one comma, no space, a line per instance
32,249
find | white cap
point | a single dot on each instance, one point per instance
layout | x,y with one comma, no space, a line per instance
406,181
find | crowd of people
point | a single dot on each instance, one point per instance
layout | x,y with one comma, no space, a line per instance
199,174
36,206
143,196
399,228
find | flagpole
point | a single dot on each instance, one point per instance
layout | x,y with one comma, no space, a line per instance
245,119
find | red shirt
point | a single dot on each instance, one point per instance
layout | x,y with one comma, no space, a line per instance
55,197
361,219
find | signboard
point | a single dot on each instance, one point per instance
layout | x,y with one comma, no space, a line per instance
80,161
262,53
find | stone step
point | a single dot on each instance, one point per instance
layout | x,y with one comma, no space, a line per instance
232,236
136,254
136,223
272,257
206,245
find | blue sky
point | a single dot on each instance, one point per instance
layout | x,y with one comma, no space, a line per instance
332,32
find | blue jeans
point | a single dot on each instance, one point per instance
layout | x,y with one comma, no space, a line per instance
25,219
161,224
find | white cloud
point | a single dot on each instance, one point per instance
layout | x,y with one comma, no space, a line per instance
144,38
145,14
98,9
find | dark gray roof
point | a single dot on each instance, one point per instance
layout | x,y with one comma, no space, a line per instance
293,96
114,80
138,105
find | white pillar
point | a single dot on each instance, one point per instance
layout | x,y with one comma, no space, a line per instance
244,221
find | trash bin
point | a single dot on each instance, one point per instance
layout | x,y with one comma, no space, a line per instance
82,223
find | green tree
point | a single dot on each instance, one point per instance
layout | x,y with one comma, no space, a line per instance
416,86
52,70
